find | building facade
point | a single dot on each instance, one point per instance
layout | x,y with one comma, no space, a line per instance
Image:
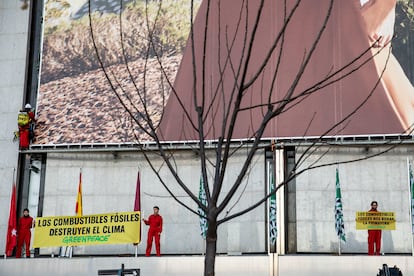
47,177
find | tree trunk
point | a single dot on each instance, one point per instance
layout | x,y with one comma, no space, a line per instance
211,248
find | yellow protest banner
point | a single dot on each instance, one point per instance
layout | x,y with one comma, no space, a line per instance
375,220
113,228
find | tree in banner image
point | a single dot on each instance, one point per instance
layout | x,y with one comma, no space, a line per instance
239,84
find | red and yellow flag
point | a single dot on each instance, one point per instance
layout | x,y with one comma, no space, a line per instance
79,198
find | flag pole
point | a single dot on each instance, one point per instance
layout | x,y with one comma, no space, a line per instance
11,195
79,205
339,247
140,229
411,201
137,208
339,237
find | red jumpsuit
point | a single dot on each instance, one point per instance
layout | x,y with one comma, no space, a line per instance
26,131
24,235
24,135
154,232
374,240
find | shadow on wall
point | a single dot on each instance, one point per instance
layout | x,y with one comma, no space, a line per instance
351,243
315,246
387,242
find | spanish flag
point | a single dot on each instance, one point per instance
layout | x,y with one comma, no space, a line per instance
79,198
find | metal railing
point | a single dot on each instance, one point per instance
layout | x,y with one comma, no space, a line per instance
121,272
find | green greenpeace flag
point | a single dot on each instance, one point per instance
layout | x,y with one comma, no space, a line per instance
203,221
339,217
272,213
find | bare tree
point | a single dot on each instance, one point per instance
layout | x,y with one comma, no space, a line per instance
236,88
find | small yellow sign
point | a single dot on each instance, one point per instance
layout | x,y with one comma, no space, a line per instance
114,228
375,220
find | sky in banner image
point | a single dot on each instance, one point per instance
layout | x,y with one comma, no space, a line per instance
76,104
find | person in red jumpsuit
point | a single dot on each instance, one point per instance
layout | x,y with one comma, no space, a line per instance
25,122
374,235
154,232
26,222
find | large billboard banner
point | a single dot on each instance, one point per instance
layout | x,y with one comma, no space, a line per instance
372,40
